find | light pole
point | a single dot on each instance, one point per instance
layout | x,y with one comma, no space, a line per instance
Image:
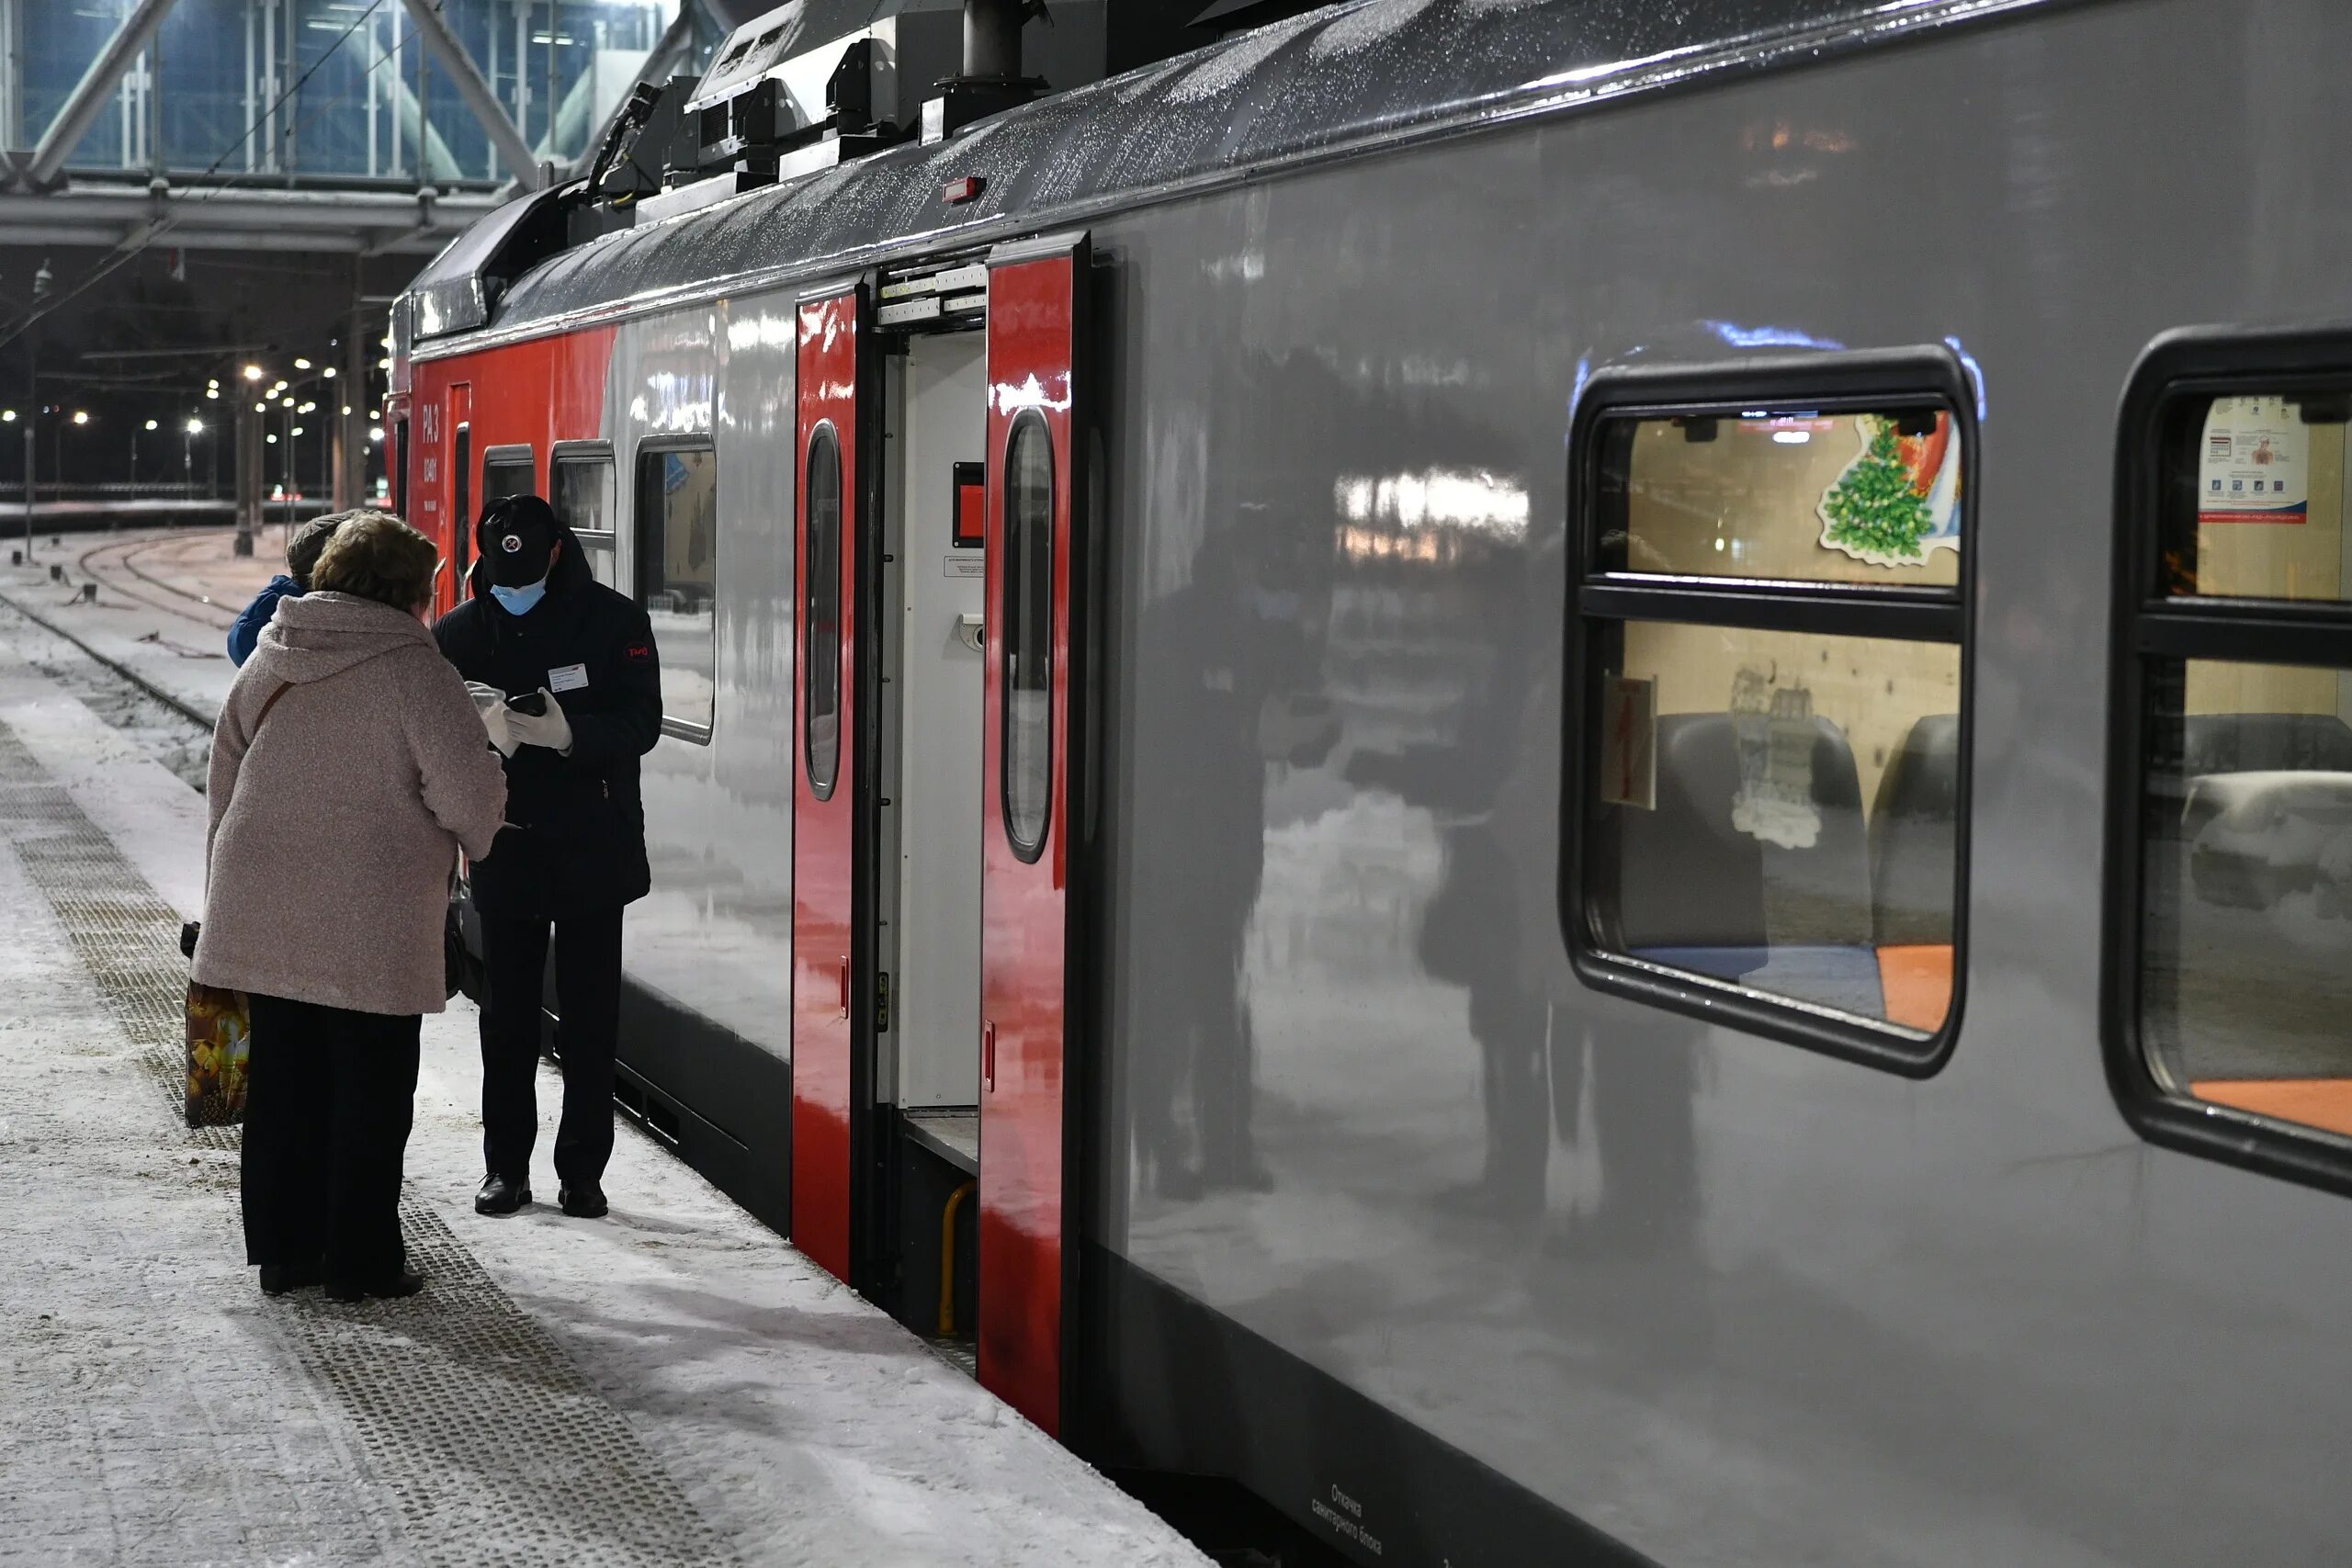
42,281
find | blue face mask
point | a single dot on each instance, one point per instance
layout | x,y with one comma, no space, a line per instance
519,601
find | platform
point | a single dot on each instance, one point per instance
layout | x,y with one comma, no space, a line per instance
674,1385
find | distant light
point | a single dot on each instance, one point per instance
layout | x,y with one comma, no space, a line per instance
214,382
1792,437
328,372
272,439
7,416
300,364
213,393
383,365
1719,544
280,387
196,427
151,424
80,417
261,408
306,408
254,372
285,402
296,431
346,411
375,432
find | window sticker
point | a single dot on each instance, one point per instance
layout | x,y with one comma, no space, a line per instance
1629,742
2254,465
1898,501
1774,732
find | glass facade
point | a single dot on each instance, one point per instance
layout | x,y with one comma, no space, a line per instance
372,103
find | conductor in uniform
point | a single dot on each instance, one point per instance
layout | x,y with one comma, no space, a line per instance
570,685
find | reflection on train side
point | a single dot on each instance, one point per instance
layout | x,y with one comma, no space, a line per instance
2246,926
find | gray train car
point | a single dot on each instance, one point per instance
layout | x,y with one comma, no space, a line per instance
1569,778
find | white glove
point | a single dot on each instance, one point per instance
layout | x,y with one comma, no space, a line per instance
498,722
549,729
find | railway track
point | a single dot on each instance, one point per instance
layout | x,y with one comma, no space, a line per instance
116,564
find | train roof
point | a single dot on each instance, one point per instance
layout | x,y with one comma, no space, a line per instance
1342,80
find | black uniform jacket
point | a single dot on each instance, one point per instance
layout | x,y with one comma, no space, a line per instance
577,836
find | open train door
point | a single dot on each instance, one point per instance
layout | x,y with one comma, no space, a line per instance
1033,771
831,1078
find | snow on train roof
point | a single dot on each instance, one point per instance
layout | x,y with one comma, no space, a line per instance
1332,81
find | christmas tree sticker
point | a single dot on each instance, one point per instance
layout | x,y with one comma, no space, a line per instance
1899,500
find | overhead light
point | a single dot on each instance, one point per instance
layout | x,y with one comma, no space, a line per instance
328,372
213,393
7,416
272,438
375,432
261,408
346,411
296,431
306,408
151,424
254,372
282,385
214,383
300,364
196,427
383,365
80,417
285,402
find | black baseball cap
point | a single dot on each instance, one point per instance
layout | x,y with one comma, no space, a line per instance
517,535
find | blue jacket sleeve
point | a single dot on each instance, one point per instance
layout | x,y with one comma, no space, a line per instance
247,631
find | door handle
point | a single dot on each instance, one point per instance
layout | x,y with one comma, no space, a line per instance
844,988
987,1056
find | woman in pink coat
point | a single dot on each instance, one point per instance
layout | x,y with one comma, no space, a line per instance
348,766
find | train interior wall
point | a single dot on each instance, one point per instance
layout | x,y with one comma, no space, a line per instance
933,591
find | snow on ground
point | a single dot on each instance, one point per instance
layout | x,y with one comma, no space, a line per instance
176,642
151,1413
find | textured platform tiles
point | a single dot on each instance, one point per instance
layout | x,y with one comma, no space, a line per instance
468,1417
674,1385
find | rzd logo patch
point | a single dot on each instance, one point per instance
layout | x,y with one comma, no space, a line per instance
641,651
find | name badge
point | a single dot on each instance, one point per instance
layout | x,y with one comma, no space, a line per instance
571,677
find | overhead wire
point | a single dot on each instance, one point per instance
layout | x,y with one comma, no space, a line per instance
124,253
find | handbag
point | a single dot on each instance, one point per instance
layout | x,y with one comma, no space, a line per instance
457,964
219,1026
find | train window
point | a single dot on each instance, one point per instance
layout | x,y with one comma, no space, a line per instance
581,490
677,580
1028,611
508,471
821,653
2234,855
1767,821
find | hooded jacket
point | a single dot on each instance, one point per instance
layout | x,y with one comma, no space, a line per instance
576,838
335,823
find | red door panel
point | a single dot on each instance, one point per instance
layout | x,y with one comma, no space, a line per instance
824,821
1026,1160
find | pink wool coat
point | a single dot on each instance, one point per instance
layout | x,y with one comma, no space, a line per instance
335,829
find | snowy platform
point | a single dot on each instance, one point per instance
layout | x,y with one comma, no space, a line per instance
672,1384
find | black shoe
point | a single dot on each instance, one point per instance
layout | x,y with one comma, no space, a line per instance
277,1279
501,1194
581,1201
401,1283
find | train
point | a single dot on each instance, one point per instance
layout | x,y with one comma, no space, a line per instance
1566,780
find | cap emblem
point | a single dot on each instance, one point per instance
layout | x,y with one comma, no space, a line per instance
512,544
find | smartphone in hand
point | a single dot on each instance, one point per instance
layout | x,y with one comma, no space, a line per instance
534,703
